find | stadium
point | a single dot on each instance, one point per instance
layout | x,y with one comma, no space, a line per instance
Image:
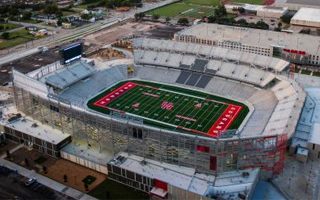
190,105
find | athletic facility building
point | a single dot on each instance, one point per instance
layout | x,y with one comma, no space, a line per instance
292,47
307,17
201,107
258,10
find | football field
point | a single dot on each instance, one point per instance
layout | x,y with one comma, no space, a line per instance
186,8
170,106
193,9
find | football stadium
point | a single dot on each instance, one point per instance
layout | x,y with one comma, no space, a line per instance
175,104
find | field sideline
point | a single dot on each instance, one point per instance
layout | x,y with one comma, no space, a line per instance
171,107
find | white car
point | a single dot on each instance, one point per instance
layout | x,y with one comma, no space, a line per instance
30,181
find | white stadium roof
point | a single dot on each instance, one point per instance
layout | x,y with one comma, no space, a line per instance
307,16
214,52
254,37
36,129
187,178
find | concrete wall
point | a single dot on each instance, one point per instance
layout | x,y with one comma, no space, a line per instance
314,151
175,193
84,162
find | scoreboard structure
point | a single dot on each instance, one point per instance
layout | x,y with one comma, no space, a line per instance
71,52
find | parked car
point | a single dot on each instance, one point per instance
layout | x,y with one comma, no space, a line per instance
30,181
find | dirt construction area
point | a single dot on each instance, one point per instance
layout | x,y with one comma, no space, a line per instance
112,34
76,175
56,169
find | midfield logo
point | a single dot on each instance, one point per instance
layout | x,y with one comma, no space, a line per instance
167,105
198,105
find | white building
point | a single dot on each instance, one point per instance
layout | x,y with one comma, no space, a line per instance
293,47
166,181
307,17
258,10
271,11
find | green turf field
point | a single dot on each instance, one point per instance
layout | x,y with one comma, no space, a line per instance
203,2
168,106
193,9
259,2
187,8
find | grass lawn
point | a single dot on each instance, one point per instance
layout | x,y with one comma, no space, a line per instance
203,2
6,27
171,10
187,8
116,191
40,160
16,38
91,3
198,12
304,71
259,2
315,73
170,106
31,21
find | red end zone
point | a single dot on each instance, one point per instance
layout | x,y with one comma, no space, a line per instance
104,101
224,121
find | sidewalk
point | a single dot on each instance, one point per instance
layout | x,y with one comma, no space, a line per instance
15,55
12,150
46,181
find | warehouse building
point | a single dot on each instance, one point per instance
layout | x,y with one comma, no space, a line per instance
292,47
307,17
34,134
166,181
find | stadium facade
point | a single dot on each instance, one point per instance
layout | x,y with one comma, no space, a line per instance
57,96
293,47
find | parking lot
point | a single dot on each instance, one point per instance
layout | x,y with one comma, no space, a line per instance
163,32
28,64
12,186
272,22
305,2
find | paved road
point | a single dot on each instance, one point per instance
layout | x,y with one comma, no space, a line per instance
12,187
316,195
39,25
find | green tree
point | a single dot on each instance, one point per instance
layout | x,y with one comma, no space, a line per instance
5,35
212,19
86,16
242,22
65,178
27,16
155,16
286,18
52,9
139,16
262,25
220,11
183,21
